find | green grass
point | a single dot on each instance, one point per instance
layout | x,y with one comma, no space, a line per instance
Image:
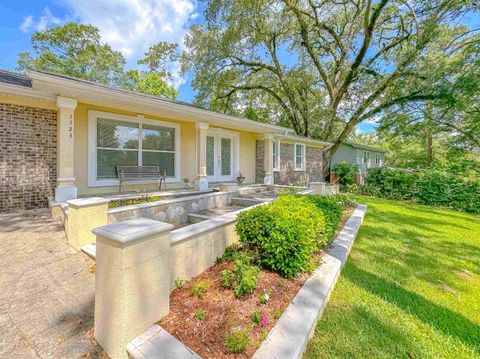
410,289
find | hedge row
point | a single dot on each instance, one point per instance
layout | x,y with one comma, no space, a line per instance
430,187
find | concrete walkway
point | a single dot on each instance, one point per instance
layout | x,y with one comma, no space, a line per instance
46,292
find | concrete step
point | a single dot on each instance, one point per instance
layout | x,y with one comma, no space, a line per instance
196,218
249,190
90,249
239,201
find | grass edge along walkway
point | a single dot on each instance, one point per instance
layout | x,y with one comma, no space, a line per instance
410,288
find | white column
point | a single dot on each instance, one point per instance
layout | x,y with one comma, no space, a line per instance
201,182
65,142
268,159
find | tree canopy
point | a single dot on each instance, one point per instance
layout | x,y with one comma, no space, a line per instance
77,50
326,65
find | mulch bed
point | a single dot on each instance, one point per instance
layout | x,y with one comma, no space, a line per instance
224,310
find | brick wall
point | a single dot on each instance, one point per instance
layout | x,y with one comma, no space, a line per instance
314,164
28,142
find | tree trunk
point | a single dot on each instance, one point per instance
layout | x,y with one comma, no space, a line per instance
327,159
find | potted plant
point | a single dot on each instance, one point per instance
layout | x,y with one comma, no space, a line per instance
240,179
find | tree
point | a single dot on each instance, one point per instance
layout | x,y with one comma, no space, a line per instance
449,122
74,50
150,83
328,65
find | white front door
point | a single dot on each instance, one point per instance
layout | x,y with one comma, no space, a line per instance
220,157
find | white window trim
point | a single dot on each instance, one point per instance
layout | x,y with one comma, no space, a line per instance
368,157
92,147
276,166
295,156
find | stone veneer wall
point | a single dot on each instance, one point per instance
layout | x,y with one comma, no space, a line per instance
260,161
313,165
28,156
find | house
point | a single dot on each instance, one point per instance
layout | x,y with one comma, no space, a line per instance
63,137
364,157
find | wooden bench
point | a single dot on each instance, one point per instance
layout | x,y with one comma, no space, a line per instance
136,173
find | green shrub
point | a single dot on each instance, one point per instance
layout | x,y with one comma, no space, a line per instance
237,339
430,187
344,200
256,317
242,279
198,290
332,211
200,314
345,172
437,188
392,183
285,232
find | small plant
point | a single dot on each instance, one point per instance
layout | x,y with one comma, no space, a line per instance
264,297
179,283
200,314
242,279
198,290
277,314
256,317
237,339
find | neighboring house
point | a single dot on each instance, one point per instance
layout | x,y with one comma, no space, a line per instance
63,137
364,157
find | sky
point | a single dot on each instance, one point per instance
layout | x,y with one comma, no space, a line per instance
130,26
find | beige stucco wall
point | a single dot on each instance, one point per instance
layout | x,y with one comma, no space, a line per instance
188,139
188,145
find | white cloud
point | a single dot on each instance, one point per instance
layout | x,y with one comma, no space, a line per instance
129,26
45,20
27,23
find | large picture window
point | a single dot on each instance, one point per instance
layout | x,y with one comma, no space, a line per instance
119,140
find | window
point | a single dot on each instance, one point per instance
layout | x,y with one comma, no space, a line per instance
378,159
299,157
119,140
276,155
366,157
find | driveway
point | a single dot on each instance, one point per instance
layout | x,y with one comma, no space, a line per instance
46,291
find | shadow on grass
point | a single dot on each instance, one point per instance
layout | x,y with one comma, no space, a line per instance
443,319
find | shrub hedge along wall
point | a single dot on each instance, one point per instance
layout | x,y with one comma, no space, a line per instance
430,187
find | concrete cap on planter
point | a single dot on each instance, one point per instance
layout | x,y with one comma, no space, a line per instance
128,232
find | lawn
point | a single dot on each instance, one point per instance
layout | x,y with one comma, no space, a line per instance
410,289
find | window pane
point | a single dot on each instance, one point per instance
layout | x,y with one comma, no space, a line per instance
164,160
299,155
117,134
226,156
210,155
158,138
107,160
